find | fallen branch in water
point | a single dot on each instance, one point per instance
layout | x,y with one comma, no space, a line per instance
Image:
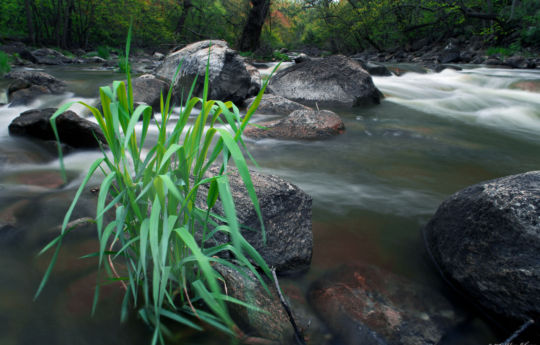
519,331
298,335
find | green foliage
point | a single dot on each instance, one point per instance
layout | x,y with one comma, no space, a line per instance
502,51
279,56
5,66
103,52
124,66
161,236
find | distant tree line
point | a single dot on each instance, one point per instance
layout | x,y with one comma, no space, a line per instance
335,25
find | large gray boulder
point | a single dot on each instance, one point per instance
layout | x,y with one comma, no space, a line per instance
286,211
363,304
486,239
73,130
27,85
47,56
148,89
230,78
333,81
300,124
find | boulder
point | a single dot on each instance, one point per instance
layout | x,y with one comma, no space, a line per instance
450,56
332,81
274,325
518,62
486,239
363,304
301,58
286,211
39,78
493,61
529,85
300,124
147,89
256,80
27,85
275,105
72,129
47,56
230,79
376,69
94,59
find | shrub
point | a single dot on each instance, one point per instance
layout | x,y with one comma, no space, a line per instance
103,52
162,232
5,66
123,64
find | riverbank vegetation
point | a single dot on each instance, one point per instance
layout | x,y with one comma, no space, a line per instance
345,26
158,235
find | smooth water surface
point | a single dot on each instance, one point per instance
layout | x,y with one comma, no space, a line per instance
373,187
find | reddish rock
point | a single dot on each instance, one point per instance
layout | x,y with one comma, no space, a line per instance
363,304
41,178
300,124
531,86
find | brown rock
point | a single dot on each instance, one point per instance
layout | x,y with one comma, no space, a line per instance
363,304
301,124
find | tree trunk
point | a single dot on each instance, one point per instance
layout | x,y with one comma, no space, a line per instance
30,22
252,29
186,6
513,10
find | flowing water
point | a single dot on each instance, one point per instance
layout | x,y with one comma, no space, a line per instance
373,187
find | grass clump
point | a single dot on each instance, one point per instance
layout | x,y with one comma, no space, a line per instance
103,52
159,244
123,64
5,65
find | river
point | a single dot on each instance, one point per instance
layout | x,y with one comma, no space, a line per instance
373,187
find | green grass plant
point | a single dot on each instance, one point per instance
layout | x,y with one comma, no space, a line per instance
103,52
123,64
5,66
160,239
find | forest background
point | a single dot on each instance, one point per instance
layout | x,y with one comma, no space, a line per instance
262,26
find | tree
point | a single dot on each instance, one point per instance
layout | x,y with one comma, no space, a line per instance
250,39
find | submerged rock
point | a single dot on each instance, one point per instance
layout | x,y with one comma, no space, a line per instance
273,323
275,105
531,86
286,211
300,124
363,304
229,77
72,129
335,80
486,239
27,85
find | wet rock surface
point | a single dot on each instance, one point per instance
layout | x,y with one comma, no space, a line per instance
147,89
275,105
300,124
332,81
73,130
363,304
274,325
286,211
27,85
486,239
229,76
